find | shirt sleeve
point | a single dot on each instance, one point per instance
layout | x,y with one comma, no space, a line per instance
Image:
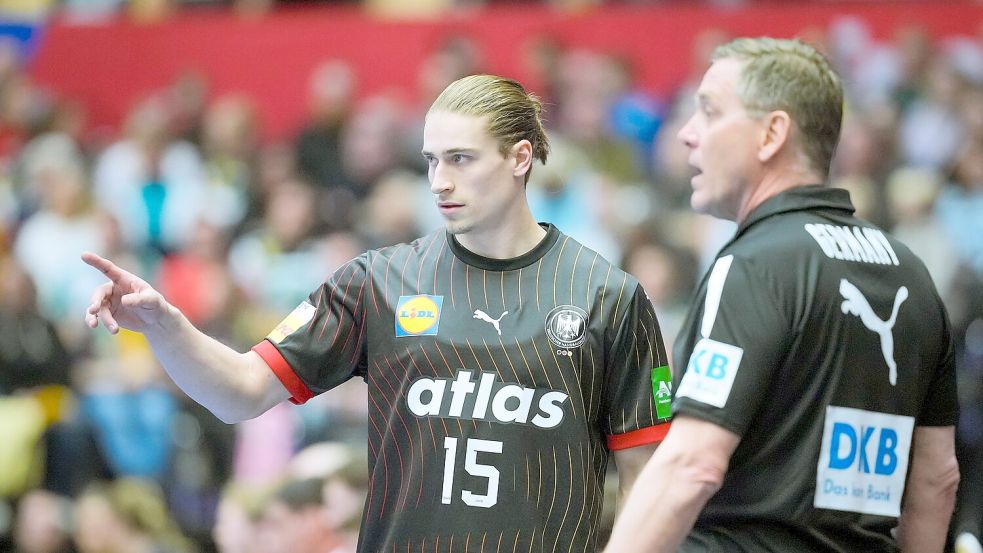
321,343
638,387
941,404
742,335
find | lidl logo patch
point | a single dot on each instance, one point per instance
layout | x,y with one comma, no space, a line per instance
418,315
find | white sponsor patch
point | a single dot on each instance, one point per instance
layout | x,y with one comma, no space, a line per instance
300,316
863,461
710,373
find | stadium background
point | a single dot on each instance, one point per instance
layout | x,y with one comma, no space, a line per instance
235,152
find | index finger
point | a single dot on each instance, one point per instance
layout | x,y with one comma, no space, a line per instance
107,267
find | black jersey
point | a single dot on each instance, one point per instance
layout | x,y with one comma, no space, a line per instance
822,342
497,388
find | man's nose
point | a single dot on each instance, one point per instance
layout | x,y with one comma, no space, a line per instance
439,179
687,134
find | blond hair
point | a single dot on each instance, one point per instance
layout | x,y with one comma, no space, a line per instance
791,76
513,114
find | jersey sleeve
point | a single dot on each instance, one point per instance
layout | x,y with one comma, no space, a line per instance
941,405
743,333
321,343
638,387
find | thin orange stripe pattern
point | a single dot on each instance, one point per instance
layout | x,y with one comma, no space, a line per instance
556,471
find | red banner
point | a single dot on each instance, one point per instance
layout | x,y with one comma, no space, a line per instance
109,66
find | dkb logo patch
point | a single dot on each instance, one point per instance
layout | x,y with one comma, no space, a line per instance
863,461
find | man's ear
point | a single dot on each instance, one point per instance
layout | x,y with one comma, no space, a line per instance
522,154
776,132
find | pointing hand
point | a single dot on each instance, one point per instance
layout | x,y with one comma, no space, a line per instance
126,301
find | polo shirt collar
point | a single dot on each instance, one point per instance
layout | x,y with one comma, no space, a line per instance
813,196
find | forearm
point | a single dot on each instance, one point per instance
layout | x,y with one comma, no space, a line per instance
926,512
232,385
923,531
662,507
630,462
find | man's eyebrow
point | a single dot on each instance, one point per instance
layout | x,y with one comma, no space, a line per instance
450,151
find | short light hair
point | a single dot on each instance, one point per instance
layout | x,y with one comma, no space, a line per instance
513,114
792,76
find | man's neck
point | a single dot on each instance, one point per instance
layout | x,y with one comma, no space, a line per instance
507,241
773,184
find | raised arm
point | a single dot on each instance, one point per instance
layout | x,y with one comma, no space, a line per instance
930,493
234,386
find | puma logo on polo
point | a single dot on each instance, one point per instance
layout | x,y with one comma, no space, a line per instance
856,304
482,316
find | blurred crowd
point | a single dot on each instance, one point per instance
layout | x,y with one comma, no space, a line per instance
154,11
99,453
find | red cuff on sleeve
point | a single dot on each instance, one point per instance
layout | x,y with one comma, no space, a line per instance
642,436
299,391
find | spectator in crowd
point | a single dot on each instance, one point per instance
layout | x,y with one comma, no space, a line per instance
229,142
127,515
152,184
590,84
295,521
43,523
236,518
331,96
63,223
931,128
275,263
44,439
668,274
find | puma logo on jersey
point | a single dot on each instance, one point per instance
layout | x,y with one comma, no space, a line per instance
482,316
856,304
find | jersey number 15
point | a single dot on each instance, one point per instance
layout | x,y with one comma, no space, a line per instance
474,468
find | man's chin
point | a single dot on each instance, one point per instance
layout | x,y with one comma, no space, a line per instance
456,228
712,209
699,205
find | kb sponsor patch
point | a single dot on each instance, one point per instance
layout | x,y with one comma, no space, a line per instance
418,315
710,372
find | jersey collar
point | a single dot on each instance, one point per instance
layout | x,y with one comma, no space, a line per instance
524,260
813,196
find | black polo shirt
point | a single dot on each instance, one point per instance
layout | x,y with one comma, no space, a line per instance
822,342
